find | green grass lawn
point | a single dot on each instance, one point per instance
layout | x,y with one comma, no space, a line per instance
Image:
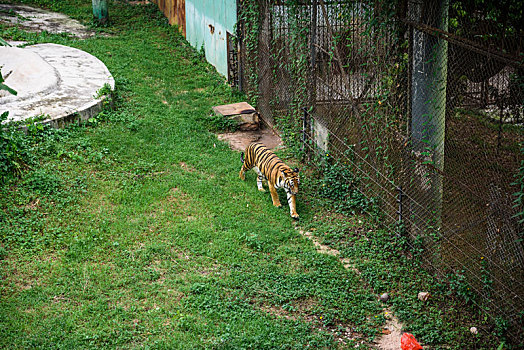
134,230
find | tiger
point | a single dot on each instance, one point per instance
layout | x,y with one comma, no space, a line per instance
278,175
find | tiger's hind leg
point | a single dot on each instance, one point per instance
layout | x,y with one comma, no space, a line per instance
260,178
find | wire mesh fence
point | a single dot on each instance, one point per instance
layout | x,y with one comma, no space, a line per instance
424,101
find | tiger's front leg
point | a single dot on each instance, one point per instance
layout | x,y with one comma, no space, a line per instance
242,173
292,201
274,194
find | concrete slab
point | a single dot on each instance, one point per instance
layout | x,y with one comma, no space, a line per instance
242,113
233,109
38,20
52,80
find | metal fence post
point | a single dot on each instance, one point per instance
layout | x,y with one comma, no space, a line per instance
100,12
304,131
428,111
400,209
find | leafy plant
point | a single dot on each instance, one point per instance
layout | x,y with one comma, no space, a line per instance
220,123
2,85
339,183
4,43
15,150
103,91
43,182
519,194
459,286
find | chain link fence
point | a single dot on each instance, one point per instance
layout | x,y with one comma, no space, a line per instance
423,101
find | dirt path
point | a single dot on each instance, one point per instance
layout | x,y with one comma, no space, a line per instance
239,140
392,330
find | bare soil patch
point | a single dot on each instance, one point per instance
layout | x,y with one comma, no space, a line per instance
239,140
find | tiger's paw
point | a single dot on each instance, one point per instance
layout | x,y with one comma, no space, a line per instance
278,205
262,190
295,216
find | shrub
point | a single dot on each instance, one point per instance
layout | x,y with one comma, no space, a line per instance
15,150
339,183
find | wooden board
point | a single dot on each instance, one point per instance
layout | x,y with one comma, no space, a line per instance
175,11
232,109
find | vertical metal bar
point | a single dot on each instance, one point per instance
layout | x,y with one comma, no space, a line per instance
428,109
240,38
304,129
400,211
313,40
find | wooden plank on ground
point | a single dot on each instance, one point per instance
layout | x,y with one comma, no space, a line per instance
233,109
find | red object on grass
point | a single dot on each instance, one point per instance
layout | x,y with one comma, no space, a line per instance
408,342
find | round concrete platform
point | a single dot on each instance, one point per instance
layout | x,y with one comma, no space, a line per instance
56,81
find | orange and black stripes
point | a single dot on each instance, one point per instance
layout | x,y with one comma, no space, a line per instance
269,167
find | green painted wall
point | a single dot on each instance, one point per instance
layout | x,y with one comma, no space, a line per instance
206,24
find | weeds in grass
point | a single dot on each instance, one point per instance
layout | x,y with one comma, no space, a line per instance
109,242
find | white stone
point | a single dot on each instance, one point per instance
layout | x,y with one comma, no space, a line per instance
423,296
320,135
25,72
384,297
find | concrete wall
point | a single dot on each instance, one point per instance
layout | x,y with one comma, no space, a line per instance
206,24
320,135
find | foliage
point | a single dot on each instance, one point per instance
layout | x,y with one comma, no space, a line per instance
220,123
291,55
133,228
519,194
471,18
339,183
4,86
3,43
249,16
15,150
105,90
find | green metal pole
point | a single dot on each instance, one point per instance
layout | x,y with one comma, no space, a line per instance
428,113
100,13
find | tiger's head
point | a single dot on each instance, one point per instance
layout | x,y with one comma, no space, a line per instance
291,180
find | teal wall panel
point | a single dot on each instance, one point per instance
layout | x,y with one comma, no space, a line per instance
207,22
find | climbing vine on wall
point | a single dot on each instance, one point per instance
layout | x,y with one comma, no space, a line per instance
291,54
349,42
250,19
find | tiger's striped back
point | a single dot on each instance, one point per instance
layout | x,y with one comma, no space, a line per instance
272,167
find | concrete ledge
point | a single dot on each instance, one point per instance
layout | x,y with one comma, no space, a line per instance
77,77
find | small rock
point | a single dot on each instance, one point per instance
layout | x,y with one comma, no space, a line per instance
423,296
474,330
384,297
